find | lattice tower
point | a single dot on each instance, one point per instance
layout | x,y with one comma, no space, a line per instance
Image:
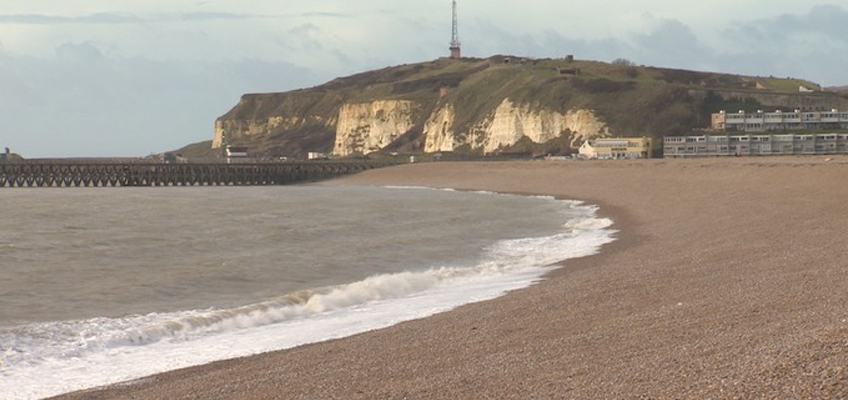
454,44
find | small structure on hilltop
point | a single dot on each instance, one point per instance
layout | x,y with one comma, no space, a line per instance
568,71
616,148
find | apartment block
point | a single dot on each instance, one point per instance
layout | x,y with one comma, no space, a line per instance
780,121
755,145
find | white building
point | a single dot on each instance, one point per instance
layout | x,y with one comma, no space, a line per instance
780,121
236,154
616,148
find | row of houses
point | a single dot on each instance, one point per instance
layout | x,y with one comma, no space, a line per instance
684,146
755,145
687,146
780,121
717,145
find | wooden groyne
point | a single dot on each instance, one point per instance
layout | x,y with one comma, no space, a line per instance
62,173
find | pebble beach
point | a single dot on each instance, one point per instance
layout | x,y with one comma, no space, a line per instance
728,280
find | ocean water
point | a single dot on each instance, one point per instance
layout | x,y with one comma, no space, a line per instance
99,286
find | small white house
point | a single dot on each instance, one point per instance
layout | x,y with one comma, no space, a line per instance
616,148
236,154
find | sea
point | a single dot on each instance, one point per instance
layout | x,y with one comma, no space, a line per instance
106,285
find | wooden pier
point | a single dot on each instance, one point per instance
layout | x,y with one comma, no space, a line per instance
64,173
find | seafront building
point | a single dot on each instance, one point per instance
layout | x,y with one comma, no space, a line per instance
780,121
616,148
755,145
236,154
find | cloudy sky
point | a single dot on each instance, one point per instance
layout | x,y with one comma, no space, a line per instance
131,77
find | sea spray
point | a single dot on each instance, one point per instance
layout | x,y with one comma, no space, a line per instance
97,351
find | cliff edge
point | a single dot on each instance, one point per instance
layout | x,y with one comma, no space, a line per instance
499,105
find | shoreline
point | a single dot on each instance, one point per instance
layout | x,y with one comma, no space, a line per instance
702,294
543,271
510,254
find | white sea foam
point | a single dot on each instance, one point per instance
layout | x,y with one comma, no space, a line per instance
51,358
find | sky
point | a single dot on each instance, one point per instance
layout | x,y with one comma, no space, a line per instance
97,78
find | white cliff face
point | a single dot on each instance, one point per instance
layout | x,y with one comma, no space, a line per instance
511,122
438,131
363,128
236,129
584,125
508,125
368,127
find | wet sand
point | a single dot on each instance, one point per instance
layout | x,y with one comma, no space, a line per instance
729,280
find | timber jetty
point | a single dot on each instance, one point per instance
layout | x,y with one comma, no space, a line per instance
69,173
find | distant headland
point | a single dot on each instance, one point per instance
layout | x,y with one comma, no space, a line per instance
499,105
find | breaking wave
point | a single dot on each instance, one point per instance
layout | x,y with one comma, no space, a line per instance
74,352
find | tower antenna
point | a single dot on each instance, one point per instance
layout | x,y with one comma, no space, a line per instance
454,44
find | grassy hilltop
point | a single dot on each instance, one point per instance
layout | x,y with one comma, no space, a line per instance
631,100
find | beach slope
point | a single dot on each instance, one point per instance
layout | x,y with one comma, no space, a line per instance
729,280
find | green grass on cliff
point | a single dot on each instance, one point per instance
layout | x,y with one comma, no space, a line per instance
631,100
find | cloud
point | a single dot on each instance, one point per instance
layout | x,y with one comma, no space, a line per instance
806,45
143,78
809,45
304,39
671,43
84,102
556,44
82,52
131,18
41,19
212,16
126,18
823,26
326,14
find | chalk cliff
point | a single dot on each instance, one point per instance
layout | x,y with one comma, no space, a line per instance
512,122
238,129
438,130
365,128
497,105
281,124
509,124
